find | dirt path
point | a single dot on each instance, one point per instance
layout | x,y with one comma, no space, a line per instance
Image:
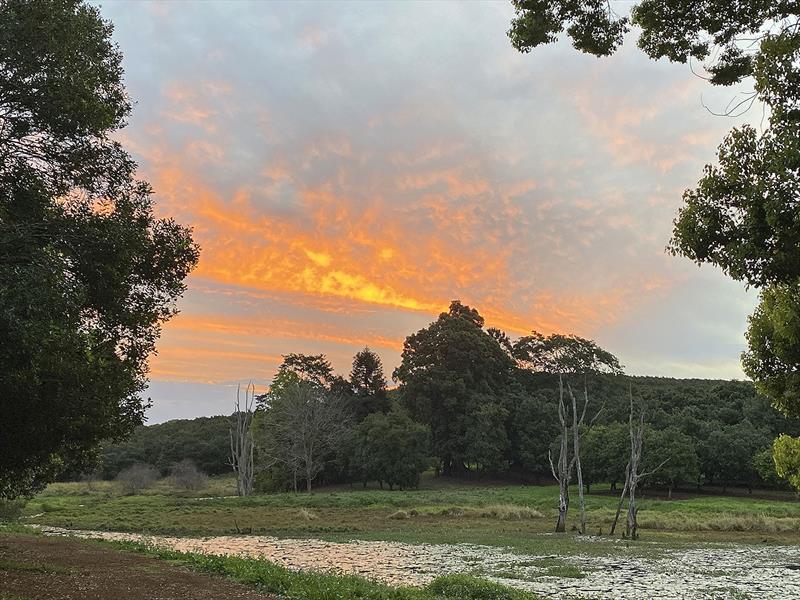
47,568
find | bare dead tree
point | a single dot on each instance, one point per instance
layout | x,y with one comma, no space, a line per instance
563,474
241,436
636,429
302,426
577,424
566,465
621,498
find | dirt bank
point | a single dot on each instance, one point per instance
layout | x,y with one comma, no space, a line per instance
58,568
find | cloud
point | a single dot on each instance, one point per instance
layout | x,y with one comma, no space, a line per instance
349,170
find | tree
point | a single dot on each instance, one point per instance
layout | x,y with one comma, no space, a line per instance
743,215
302,423
242,442
786,453
534,426
563,354
204,440
605,453
87,273
186,475
764,466
393,448
137,477
368,385
314,368
450,371
773,356
677,449
566,355
726,456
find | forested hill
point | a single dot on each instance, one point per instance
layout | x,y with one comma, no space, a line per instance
723,429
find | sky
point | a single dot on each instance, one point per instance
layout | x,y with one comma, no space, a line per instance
350,168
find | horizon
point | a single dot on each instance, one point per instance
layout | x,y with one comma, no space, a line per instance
342,198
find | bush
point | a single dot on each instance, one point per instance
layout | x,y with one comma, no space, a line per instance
10,510
466,587
137,477
187,476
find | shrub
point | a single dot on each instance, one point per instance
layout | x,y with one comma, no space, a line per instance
466,587
137,477
187,476
10,510
509,512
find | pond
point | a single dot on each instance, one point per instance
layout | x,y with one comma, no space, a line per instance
711,571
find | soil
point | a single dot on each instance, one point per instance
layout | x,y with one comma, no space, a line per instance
55,568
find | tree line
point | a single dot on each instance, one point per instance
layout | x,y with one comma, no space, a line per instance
471,402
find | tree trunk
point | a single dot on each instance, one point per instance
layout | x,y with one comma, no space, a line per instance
563,506
576,456
669,493
621,499
631,531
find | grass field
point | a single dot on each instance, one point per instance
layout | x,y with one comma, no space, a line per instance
440,512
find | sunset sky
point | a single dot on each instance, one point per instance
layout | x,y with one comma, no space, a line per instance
348,169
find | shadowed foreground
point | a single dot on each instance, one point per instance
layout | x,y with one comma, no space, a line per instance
40,568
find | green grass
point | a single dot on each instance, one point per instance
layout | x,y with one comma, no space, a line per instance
11,565
440,512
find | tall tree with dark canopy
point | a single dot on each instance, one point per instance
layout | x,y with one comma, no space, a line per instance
457,379
744,215
368,385
87,273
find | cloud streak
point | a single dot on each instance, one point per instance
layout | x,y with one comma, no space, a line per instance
349,169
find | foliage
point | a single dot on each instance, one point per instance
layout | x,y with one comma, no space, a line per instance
392,449
786,453
535,425
671,458
87,272
605,453
368,385
726,455
565,354
773,356
449,371
137,477
313,368
11,510
743,215
298,428
764,466
466,587
204,441
187,476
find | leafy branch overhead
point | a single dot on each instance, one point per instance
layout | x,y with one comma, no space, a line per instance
88,272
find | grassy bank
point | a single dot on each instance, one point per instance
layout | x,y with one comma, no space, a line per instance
442,512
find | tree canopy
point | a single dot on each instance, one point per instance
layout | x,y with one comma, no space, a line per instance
457,379
87,272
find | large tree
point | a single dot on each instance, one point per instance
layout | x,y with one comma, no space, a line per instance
368,385
88,274
744,215
457,379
